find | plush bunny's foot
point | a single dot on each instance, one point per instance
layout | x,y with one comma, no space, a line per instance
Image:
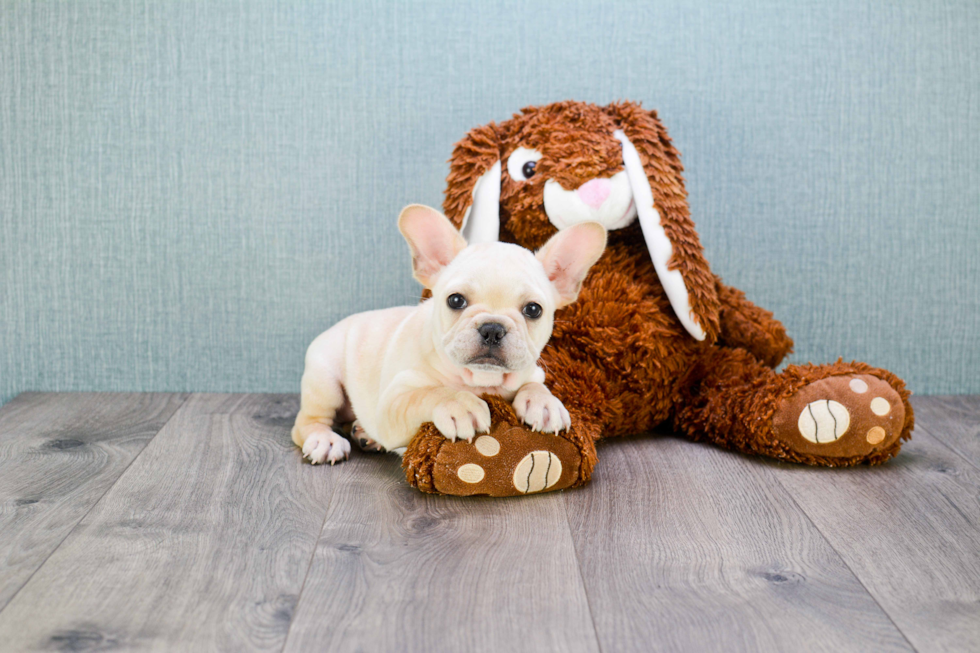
830,415
847,418
510,460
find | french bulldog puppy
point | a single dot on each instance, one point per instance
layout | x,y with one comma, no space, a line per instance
490,315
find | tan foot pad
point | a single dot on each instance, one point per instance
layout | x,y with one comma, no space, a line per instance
509,461
841,416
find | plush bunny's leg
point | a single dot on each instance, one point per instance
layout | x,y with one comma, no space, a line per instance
831,415
747,326
510,460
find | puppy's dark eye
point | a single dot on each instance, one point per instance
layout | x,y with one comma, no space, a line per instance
528,169
532,311
456,301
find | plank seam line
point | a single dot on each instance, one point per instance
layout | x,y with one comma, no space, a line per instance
948,446
578,564
842,559
97,502
309,566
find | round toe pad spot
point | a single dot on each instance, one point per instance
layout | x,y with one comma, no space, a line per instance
858,386
487,445
875,435
880,406
470,473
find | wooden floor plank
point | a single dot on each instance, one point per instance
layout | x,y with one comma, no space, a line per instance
955,420
202,544
59,453
910,530
205,542
397,570
686,547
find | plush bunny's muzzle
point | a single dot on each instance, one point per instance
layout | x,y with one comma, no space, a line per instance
606,201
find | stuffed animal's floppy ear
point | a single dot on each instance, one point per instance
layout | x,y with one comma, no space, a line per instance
654,170
473,185
433,240
568,255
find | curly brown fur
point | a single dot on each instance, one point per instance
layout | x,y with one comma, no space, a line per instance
747,326
619,359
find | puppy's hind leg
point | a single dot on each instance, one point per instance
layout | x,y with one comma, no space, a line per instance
364,442
321,399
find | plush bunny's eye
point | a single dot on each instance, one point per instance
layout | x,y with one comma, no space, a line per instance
521,163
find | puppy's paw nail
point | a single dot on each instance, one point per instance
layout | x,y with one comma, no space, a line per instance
308,446
324,447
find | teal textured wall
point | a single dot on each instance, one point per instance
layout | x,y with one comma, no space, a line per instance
190,192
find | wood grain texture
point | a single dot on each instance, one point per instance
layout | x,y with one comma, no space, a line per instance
218,537
59,453
910,530
689,548
201,545
954,420
397,570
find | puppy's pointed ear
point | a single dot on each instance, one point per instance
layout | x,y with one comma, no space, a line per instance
433,240
654,169
568,255
473,186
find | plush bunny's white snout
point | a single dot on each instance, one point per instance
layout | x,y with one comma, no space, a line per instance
608,201
595,192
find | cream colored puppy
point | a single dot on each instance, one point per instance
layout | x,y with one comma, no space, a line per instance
490,315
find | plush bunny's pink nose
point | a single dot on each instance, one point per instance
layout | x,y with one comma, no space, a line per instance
594,192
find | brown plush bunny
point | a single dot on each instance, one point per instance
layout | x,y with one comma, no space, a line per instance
655,338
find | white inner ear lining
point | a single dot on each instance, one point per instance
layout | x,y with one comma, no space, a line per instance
658,243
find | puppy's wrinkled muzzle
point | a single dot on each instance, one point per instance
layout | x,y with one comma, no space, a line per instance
491,353
488,357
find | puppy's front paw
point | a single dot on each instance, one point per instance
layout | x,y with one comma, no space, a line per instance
324,446
463,416
541,410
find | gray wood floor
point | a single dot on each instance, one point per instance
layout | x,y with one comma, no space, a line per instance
189,523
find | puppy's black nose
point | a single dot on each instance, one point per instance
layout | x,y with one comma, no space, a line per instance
492,333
